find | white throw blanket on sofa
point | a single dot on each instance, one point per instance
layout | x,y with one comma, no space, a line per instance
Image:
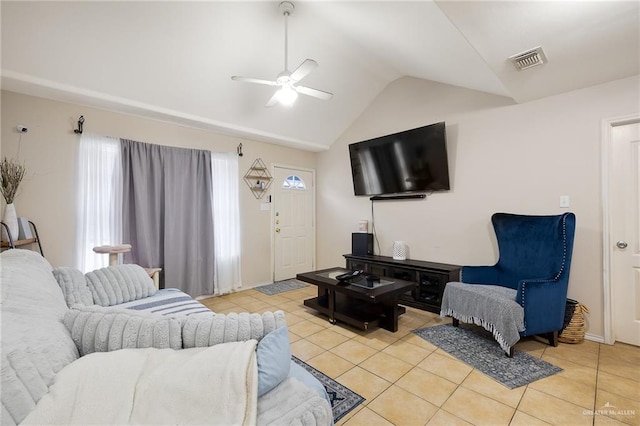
214,385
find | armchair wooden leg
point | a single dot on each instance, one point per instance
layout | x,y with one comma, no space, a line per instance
455,322
553,338
510,354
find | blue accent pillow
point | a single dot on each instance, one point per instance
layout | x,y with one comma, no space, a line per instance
274,359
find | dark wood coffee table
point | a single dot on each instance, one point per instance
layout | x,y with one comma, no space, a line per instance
355,303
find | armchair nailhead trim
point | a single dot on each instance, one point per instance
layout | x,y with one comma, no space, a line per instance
564,246
562,266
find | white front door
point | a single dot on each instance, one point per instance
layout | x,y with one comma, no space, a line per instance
624,241
293,222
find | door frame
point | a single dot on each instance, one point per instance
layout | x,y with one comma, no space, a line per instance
273,215
606,146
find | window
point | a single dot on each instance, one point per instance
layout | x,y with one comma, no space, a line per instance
99,199
293,182
226,222
100,210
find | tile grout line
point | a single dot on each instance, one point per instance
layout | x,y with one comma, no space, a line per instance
522,397
595,393
516,408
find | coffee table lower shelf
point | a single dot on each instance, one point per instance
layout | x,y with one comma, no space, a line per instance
355,312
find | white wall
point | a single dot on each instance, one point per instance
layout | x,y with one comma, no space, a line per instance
46,195
502,157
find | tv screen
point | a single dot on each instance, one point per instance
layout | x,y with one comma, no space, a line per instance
405,162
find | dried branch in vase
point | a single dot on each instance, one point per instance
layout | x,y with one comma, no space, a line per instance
11,174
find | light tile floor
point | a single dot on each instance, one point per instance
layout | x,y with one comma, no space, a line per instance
408,381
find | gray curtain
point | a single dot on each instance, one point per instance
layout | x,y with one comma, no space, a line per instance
167,213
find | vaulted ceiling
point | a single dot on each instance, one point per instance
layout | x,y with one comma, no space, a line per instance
173,60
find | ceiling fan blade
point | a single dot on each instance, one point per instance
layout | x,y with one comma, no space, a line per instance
320,94
274,100
303,70
254,80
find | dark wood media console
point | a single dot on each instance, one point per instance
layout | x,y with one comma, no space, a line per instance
430,276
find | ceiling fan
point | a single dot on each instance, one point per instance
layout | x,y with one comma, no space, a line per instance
287,80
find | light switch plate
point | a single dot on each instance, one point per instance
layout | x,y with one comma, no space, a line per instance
565,201
264,206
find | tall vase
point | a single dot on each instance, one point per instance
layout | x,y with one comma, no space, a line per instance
11,220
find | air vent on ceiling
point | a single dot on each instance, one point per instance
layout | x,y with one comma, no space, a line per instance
528,58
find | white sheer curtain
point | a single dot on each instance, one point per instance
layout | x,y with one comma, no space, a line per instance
99,199
226,222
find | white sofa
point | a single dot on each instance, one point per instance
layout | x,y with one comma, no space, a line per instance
46,380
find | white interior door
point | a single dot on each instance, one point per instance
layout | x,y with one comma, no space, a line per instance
293,222
624,241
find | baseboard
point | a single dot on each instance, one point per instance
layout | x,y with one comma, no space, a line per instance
594,338
239,289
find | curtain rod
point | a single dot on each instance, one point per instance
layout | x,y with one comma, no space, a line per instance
80,123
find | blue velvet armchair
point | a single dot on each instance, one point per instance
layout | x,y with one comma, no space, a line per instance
534,260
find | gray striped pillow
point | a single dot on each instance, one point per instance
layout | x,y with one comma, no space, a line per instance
119,283
74,286
98,329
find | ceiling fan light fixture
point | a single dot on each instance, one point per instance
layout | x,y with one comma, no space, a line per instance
287,95
287,80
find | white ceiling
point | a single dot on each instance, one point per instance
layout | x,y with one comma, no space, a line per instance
173,60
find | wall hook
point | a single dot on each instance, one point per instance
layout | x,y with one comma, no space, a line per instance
80,123
239,150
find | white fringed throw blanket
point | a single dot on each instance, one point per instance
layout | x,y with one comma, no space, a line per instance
215,385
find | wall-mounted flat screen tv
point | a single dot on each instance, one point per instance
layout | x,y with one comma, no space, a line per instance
402,163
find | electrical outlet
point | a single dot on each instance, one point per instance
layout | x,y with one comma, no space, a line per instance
565,201
265,207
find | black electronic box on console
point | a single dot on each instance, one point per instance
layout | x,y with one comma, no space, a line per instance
361,243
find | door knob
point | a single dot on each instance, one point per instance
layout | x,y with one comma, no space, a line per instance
621,244
277,229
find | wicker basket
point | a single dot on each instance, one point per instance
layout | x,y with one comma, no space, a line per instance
573,331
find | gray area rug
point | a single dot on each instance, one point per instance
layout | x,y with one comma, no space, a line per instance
343,399
477,348
280,287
